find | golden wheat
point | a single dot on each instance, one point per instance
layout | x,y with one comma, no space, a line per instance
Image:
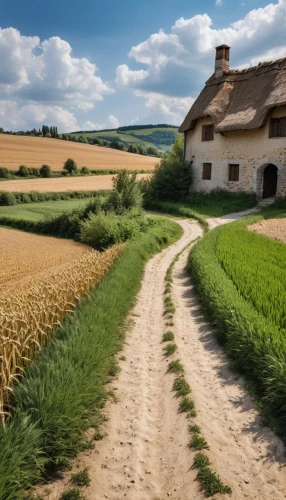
29,319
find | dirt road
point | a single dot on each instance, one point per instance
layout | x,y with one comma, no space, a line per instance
145,454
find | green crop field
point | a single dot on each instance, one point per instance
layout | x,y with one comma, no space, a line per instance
241,282
161,138
34,212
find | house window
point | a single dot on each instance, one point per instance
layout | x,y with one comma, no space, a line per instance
277,127
207,171
208,133
233,172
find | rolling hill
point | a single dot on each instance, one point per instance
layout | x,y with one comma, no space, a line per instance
161,137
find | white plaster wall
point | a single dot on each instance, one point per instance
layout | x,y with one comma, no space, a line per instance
251,149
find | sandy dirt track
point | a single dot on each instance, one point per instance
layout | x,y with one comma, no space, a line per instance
35,151
61,184
273,228
25,258
144,455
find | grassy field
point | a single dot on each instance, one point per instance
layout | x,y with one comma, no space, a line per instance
44,431
61,184
160,137
240,279
34,212
36,151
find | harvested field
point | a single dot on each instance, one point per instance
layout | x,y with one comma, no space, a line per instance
273,228
26,258
61,184
36,151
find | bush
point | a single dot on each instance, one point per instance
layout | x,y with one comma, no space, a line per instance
34,171
126,193
103,230
70,166
7,199
171,180
45,171
4,173
84,171
23,171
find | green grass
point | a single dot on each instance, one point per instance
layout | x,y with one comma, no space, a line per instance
35,212
194,429
199,206
170,349
240,279
181,386
72,494
201,460
175,366
81,478
198,443
64,389
186,405
211,483
168,336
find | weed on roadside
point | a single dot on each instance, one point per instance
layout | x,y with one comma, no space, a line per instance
181,386
81,478
168,336
186,404
72,494
195,429
169,349
175,366
200,461
198,443
211,483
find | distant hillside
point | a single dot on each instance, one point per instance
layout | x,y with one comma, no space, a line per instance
161,136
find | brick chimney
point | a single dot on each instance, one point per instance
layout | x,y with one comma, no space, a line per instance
221,60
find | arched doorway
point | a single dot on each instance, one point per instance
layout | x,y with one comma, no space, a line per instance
269,181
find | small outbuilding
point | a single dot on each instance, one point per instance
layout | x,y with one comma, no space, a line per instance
235,132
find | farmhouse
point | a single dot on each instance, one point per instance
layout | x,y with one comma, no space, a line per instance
235,132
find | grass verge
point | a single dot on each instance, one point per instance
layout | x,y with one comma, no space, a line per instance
63,390
253,336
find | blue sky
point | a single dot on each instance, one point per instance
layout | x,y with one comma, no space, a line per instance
96,64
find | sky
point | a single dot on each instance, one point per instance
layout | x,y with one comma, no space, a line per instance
102,64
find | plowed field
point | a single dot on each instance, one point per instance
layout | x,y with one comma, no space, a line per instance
35,151
273,228
26,258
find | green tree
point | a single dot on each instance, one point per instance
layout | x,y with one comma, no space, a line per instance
70,166
45,171
116,145
23,171
133,149
152,151
125,194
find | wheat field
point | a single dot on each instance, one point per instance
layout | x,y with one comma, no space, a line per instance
28,318
62,184
35,151
25,258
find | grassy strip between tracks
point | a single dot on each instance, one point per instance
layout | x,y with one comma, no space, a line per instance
240,280
210,482
63,390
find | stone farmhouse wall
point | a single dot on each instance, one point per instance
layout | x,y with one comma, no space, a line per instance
252,150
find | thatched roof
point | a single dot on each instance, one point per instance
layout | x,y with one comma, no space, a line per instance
240,99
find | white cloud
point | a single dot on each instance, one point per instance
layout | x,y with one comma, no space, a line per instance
172,109
175,65
218,3
46,74
88,125
23,117
135,120
113,121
